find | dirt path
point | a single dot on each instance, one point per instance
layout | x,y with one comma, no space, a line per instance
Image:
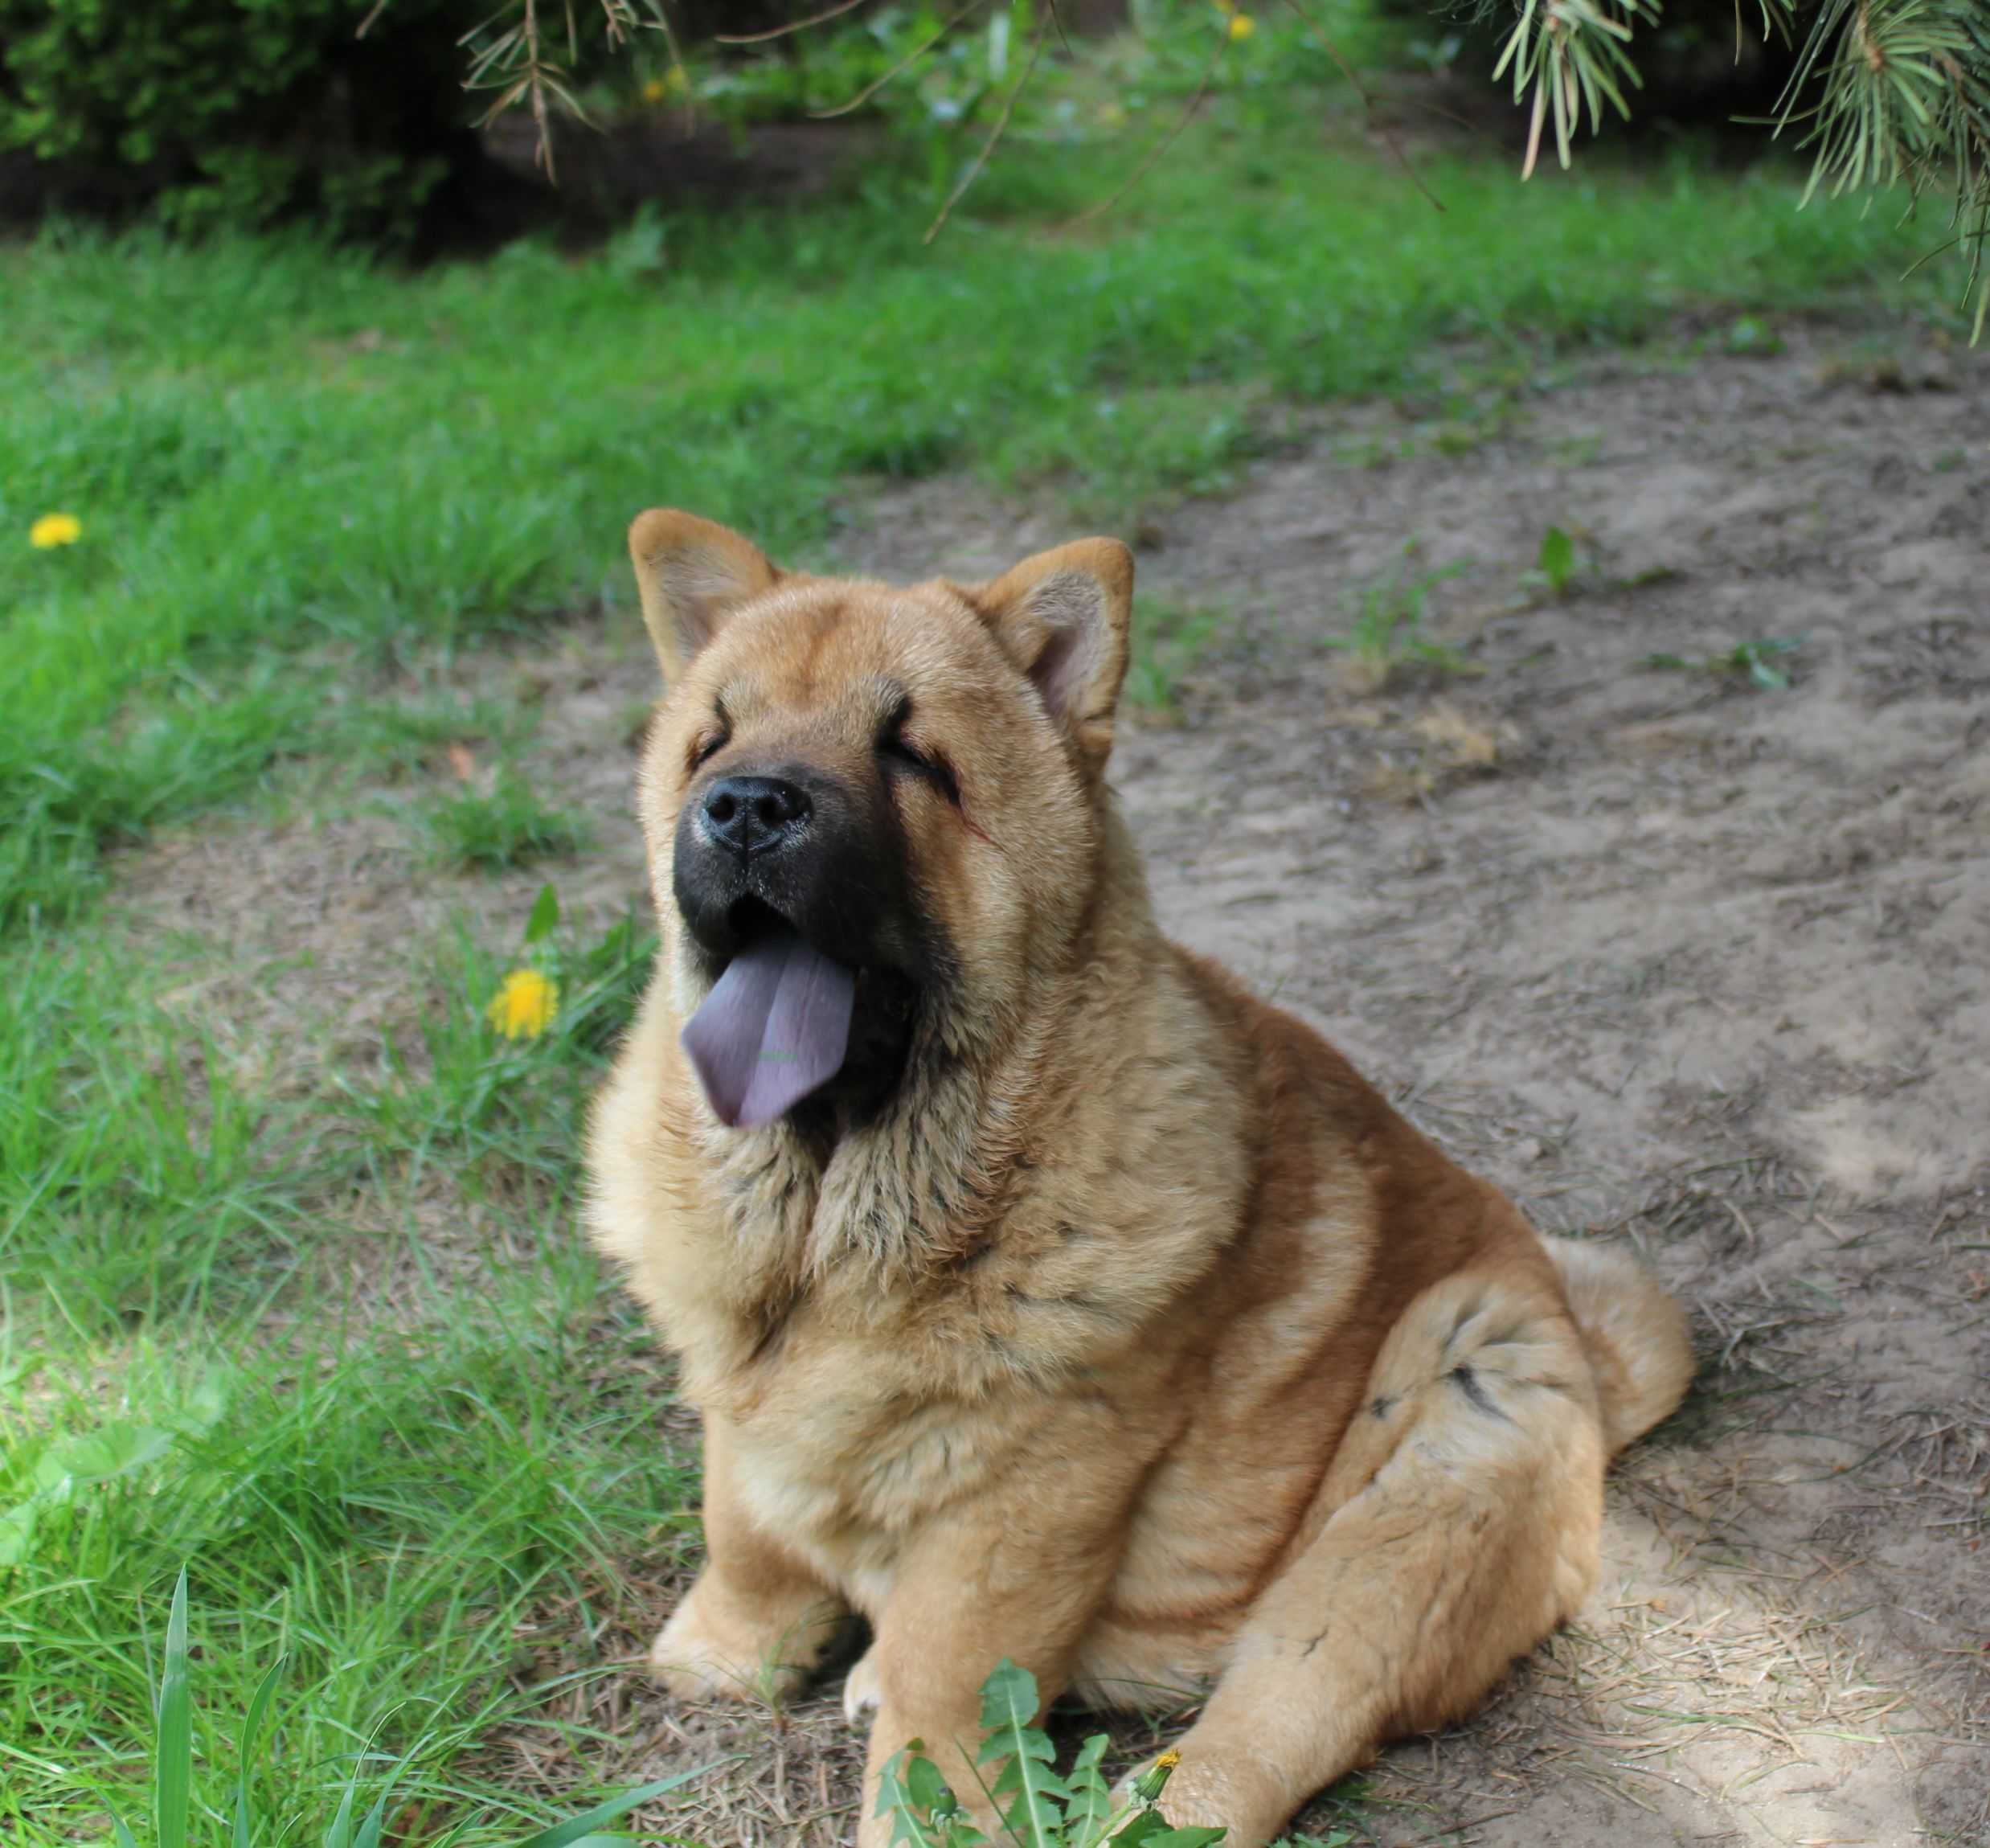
1700,965
1695,964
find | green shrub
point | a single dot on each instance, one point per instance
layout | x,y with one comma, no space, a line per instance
238,112
352,113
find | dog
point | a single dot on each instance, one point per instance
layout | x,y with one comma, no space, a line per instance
1044,1294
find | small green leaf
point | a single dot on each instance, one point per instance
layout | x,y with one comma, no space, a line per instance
915,1798
120,1832
173,1750
203,1406
1754,655
17,1530
545,914
1147,1828
1009,1712
1091,1801
109,1451
927,1789
16,1369
1755,338
1009,1698
1557,558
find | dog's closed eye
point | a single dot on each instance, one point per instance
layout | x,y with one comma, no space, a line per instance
914,754
713,737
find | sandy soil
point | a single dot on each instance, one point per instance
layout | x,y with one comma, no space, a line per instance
1674,958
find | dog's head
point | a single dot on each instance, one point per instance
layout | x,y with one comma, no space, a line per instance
873,814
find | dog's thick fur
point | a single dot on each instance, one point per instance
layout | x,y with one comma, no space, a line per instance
1120,1328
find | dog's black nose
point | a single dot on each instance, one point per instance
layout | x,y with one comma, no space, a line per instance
751,814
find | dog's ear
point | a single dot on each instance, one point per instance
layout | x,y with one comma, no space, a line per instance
692,574
1063,618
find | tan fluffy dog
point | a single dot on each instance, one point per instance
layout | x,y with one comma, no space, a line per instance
1082,1310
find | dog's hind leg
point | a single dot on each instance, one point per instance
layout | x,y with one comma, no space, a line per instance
1457,1525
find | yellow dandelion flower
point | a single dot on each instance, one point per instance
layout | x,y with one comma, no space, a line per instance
524,1005
53,530
1148,1785
1242,25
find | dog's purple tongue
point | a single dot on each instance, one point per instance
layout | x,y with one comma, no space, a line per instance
775,1025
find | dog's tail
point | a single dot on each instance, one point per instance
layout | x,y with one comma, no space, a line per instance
1634,1332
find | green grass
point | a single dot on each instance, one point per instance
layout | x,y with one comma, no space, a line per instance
328,1338
1169,639
133,1166
1386,634
499,1114
392,1517
508,825
1753,661
391,1492
354,1823
292,466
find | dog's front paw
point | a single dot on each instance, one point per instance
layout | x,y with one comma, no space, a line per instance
696,1665
862,1688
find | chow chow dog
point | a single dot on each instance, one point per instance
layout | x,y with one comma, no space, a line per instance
1044,1295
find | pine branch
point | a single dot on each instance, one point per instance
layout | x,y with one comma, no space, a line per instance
1886,94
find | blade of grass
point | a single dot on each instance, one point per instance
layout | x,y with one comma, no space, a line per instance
173,1763
577,1830
369,1836
370,1830
630,1842
339,1835
251,1730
